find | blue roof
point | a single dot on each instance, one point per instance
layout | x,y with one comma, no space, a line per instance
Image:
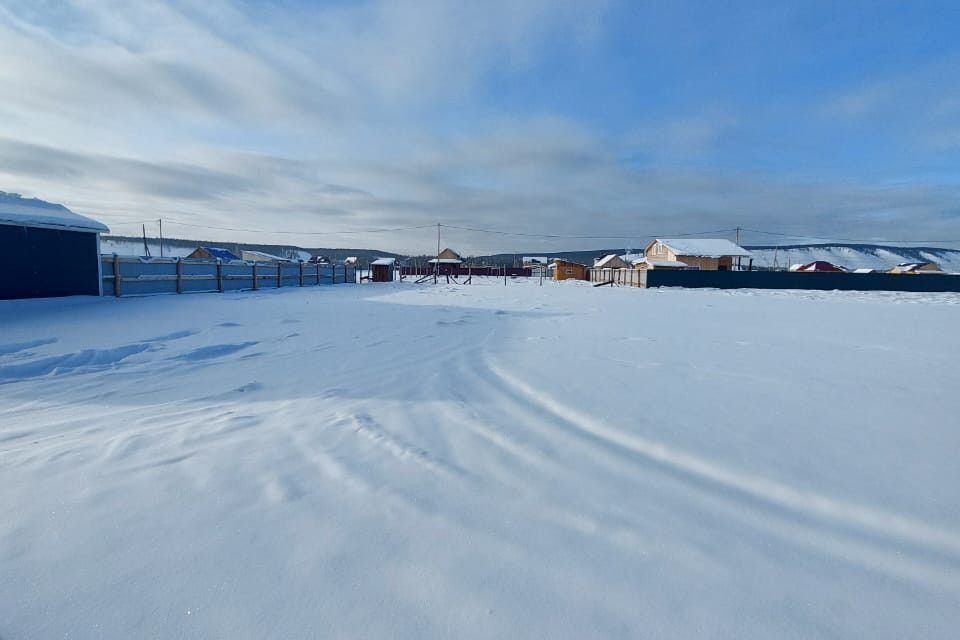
219,252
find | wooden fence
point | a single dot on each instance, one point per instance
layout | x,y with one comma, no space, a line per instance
131,275
462,271
619,277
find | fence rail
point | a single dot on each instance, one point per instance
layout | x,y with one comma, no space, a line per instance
619,277
457,270
132,275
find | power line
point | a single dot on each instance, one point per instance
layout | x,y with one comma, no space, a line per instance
300,233
851,240
575,237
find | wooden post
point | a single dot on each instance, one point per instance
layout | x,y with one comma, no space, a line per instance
333,272
219,276
179,275
318,273
255,275
301,273
117,282
279,274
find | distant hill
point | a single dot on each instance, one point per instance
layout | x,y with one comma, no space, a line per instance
853,256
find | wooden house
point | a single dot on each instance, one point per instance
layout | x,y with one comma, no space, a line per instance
610,261
705,254
447,256
568,270
916,268
447,262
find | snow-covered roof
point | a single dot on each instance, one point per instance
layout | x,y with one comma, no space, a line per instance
864,270
31,212
911,267
662,263
819,265
704,247
631,257
445,261
606,260
261,256
220,252
387,262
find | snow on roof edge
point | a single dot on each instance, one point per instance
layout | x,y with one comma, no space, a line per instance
33,212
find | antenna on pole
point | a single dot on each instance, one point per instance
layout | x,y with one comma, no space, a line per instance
738,244
436,267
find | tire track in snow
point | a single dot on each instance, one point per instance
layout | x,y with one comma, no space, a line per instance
878,524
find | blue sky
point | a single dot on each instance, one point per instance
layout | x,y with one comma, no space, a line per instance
555,117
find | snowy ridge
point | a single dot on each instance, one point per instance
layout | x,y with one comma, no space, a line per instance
854,256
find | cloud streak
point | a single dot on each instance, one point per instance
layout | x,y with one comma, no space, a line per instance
387,113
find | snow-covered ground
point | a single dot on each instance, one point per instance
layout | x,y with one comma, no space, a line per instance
486,461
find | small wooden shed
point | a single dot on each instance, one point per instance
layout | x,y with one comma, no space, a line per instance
568,270
383,269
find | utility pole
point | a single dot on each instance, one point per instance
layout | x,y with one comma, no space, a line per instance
146,248
436,267
738,244
161,236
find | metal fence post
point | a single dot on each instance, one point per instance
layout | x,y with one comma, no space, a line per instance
279,275
117,282
219,276
255,275
301,273
179,275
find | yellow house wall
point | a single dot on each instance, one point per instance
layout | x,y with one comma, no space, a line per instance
578,272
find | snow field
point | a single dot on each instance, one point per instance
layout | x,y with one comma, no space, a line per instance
480,461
